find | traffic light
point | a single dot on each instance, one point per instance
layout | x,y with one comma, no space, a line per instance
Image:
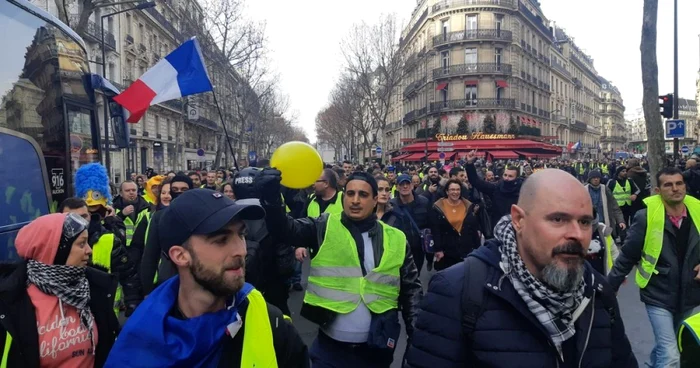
666,105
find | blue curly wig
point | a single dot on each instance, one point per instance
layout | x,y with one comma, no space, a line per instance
92,177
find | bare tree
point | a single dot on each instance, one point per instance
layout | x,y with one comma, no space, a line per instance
650,82
333,132
79,23
374,62
241,40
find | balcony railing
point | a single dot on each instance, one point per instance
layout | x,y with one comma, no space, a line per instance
467,69
413,86
579,125
578,83
205,123
414,28
448,4
409,117
164,22
539,23
473,35
93,31
473,104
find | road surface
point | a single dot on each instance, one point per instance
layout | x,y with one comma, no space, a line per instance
633,313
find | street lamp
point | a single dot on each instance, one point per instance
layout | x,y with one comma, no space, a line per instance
141,6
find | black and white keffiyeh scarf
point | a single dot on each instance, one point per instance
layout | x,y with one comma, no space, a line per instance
69,284
552,308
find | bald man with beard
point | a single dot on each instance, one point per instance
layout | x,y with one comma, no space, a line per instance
527,296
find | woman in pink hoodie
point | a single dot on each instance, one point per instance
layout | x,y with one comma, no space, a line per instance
54,310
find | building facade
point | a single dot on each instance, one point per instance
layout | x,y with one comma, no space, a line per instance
175,135
611,113
637,131
499,58
472,59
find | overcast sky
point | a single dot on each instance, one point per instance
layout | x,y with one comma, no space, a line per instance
304,40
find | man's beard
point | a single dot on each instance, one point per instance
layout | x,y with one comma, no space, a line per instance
214,282
567,278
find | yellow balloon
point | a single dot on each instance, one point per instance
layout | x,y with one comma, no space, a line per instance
299,163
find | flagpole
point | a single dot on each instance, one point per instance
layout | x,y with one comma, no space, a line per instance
228,139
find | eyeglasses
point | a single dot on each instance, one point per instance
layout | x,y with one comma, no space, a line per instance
321,181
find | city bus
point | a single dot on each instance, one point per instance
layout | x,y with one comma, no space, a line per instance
48,123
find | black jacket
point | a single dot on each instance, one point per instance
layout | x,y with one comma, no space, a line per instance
674,287
122,264
692,181
418,210
506,333
455,245
139,206
503,194
310,232
17,315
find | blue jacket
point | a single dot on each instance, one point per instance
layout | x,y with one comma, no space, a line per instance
507,334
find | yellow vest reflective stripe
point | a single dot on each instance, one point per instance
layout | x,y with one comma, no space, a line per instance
148,199
654,237
6,350
335,279
622,194
102,256
314,210
258,345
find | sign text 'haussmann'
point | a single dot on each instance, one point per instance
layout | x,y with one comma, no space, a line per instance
474,136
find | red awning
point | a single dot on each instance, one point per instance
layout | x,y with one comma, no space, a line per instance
501,83
400,157
503,155
472,82
414,157
441,86
527,155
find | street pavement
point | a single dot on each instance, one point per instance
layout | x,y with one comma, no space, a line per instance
633,314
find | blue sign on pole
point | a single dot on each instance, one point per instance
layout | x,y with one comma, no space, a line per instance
200,152
685,150
441,155
379,150
675,128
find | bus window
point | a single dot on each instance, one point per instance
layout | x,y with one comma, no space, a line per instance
43,94
24,193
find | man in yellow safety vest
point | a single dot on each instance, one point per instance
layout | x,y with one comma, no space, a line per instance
362,273
664,244
207,315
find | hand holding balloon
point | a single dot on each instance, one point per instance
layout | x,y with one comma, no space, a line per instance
299,163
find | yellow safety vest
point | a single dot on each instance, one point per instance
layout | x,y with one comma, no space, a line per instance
131,225
691,327
102,256
581,169
622,194
314,210
258,345
654,238
609,243
336,282
148,199
6,350
604,169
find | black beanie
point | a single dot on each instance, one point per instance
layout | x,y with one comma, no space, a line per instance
369,179
594,174
619,170
183,178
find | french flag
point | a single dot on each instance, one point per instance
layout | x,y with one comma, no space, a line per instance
181,73
577,145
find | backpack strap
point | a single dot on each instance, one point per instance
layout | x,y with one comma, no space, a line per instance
473,294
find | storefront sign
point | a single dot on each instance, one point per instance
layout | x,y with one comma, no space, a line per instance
474,136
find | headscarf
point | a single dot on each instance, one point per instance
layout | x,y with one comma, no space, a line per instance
46,243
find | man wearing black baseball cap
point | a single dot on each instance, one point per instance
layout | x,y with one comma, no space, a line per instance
207,315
